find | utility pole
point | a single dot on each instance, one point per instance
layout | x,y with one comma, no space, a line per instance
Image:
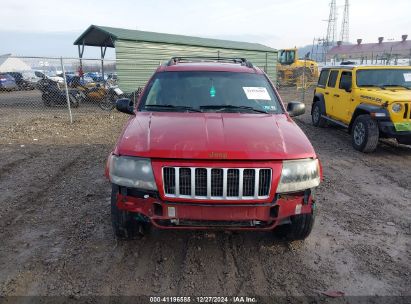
345,25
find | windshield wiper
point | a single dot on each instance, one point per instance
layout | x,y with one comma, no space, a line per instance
172,107
222,107
396,85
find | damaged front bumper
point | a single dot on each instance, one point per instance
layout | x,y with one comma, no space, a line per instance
227,215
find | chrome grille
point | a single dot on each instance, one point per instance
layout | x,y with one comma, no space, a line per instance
217,183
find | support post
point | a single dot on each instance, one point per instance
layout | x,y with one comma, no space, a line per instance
66,89
103,54
303,80
80,55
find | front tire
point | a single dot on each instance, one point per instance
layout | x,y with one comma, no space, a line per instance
316,117
125,226
108,103
365,134
299,229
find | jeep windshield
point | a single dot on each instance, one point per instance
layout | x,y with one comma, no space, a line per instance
202,91
384,78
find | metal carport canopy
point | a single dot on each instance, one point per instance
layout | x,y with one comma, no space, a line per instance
104,36
138,53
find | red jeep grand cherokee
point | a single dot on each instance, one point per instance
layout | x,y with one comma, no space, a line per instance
210,145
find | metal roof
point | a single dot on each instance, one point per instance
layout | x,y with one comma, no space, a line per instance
105,36
402,47
364,66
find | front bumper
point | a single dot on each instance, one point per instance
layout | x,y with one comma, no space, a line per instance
196,215
388,129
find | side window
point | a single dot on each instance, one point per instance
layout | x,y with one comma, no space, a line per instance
345,80
323,78
332,79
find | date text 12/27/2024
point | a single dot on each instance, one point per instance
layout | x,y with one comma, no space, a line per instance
203,299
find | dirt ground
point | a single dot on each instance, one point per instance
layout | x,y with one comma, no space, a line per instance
56,236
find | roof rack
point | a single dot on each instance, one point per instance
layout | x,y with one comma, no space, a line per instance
242,61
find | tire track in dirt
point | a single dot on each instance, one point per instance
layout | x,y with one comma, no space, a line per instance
202,272
8,167
371,190
245,251
37,192
18,230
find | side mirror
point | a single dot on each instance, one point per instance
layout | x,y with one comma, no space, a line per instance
125,105
346,86
295,108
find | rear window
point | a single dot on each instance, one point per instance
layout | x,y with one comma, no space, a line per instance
199,90
332,79
323,78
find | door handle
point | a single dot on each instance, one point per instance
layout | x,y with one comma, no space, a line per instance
336,95
326,93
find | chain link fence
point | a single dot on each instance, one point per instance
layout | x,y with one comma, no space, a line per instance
295,82
33,88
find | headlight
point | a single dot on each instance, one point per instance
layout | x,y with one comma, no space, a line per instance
132,172
396,107
299,175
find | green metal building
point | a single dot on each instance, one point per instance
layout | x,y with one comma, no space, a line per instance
138,53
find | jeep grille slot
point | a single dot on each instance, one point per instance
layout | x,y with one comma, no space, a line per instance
185,181
233,185
248,182
169,180
406,107
265,181
201,182
217,183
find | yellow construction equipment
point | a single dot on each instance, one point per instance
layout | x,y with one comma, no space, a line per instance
293,71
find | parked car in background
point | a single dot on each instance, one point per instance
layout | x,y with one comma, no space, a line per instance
372,102
7,82
21,82
50,76
95,76
31,77
210,145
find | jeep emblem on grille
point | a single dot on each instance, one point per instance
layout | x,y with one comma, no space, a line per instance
218,155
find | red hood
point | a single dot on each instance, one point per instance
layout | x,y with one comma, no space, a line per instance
213,135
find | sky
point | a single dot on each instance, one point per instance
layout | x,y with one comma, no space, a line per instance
49,27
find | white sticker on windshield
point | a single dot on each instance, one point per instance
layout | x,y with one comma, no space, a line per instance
407,77
256,93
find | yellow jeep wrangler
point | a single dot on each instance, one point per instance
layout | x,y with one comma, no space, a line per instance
372,102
